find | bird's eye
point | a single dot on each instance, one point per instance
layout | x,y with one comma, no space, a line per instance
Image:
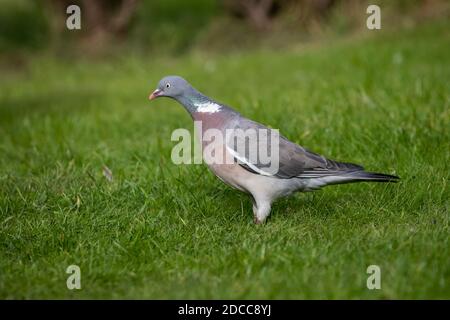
167,85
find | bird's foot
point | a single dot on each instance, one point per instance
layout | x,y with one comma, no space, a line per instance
256,220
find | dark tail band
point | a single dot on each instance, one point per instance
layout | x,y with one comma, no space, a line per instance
374,176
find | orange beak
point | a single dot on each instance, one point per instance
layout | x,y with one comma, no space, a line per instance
155,94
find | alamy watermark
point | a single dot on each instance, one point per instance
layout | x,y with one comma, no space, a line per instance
73,21
373,21
257,148
374,279
74,280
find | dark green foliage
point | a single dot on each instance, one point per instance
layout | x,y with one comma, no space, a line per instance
23,25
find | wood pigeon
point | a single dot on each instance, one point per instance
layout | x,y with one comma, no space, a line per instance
298,169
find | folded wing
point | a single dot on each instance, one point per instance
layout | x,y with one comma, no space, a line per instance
294,161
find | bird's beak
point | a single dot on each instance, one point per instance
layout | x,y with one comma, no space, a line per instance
155,94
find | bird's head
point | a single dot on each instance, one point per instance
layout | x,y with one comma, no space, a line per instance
170,86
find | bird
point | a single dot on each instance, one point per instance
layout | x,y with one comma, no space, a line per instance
298,169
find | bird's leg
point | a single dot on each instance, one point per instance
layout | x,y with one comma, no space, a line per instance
261,210
255,214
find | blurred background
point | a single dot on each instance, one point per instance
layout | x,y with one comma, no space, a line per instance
176,26
85,170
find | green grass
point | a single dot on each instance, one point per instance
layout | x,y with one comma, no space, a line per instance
164,231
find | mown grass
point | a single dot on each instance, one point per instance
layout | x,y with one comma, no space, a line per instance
165,231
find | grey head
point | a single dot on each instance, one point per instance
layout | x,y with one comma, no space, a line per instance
174,87
177,88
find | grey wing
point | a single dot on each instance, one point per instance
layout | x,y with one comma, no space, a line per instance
289,161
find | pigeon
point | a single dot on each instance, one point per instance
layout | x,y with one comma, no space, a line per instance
298,169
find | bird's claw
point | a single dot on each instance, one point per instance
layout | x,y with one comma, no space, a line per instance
256,220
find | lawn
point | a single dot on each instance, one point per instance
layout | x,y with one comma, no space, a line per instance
159,230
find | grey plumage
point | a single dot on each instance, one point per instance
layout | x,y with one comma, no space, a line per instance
299,169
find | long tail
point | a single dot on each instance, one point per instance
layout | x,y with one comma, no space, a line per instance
346,172
359,176
373,176
341,172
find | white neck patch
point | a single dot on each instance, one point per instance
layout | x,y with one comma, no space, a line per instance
208,107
